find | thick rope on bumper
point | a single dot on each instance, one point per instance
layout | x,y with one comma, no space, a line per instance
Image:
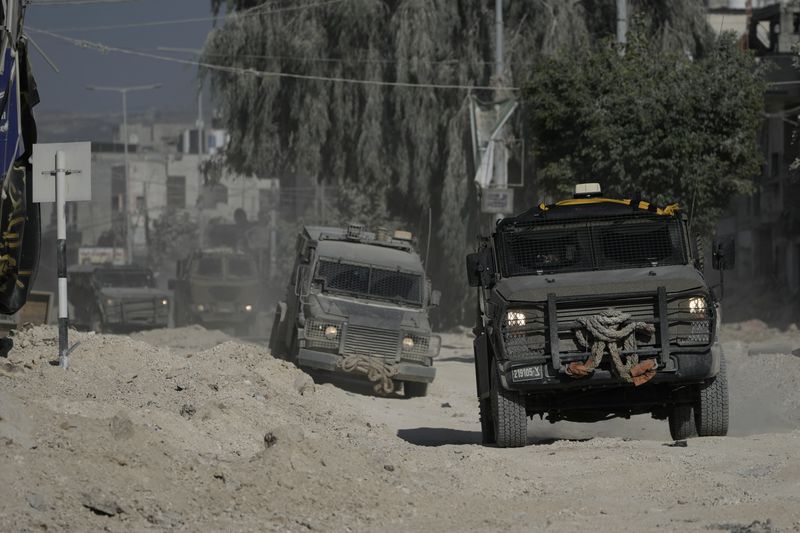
377,371
612,330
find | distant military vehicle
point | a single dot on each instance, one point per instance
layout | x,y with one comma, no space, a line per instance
358,302
594,308
217,288
116,298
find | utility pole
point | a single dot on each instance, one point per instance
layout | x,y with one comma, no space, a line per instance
500,175
127,207
622,23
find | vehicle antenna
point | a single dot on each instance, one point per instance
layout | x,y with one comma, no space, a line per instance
428,245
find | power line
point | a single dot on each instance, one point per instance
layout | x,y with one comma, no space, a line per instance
258,11
312,59
82,43
75,2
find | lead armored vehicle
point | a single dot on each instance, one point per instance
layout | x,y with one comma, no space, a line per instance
116,298
594,308
357,302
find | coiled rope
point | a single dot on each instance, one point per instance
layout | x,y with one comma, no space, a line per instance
613,330
377,371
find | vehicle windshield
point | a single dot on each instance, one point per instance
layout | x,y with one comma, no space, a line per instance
240,267
370,281
593,244
209,266
124,278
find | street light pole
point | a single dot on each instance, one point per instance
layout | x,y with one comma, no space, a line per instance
127,207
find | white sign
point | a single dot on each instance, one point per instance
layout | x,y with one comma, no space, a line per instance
78,158
497,200
96,255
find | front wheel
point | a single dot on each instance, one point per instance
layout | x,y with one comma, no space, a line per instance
508,414
711,411
682,423
414,389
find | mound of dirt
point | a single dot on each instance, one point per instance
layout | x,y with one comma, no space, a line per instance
152,436
186,339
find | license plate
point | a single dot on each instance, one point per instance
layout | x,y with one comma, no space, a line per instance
526,373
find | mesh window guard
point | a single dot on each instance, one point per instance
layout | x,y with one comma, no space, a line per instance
369,281
595,244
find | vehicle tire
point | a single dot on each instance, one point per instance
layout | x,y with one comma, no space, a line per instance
415,389
681,422
276,346
487,422
711,411
508,413
294,348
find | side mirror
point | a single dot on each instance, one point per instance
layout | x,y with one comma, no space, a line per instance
480,268
171,284
436,298
724,254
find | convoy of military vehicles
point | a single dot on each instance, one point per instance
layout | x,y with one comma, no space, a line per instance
588,309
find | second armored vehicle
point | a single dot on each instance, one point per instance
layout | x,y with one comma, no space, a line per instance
358,302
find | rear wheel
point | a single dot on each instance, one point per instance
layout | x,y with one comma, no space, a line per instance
415,389
681,422
276,346
711,412
508,414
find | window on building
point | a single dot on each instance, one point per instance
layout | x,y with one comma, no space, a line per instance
176,192
796,22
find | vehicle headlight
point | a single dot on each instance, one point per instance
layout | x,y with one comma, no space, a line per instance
515,318
201,307
331,332
408,344
164,301
248,307
110,301
697,304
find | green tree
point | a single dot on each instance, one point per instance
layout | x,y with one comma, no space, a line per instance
393,152
673,128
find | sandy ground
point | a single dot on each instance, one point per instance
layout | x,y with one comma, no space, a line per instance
189,429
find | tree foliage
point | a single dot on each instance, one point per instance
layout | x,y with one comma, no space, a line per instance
655,122
394,152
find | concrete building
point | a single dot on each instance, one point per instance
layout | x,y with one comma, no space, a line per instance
767,224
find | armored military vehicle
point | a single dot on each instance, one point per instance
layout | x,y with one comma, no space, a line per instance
594,308
116,298
217,288
358,302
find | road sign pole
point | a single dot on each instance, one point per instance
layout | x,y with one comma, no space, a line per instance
61,221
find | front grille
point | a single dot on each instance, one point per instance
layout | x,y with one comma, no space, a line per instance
147,311
224,293
364,340
526,333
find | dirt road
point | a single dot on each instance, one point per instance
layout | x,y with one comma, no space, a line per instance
175,430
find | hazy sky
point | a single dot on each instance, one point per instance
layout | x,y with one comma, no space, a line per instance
79,67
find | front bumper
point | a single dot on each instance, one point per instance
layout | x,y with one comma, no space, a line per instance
328,361
682,368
